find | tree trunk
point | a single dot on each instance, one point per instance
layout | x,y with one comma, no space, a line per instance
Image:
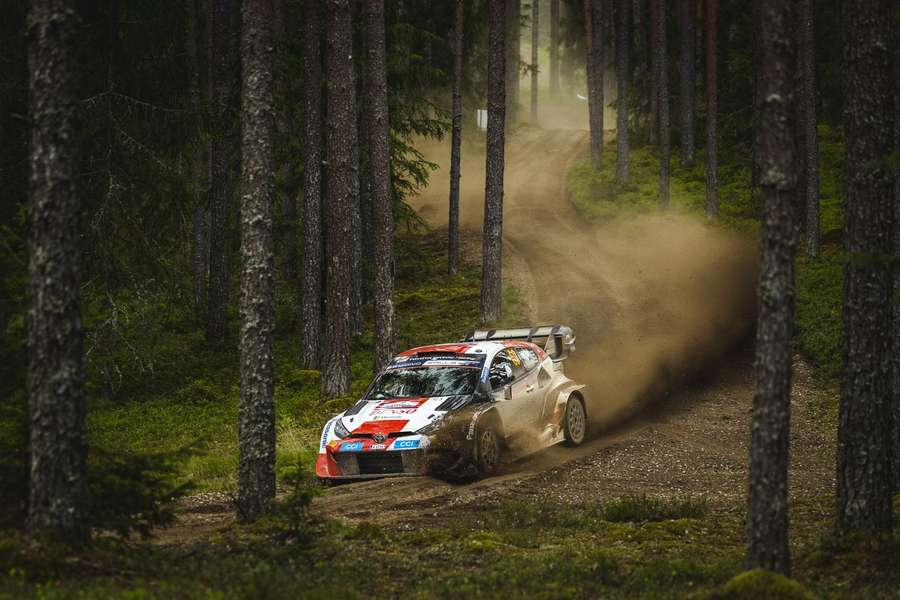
535,40
554,47
895,444
688,16
655,26
199,249
339,208
594,66
513,16
810,132
662,61
456,139
256,471
712,110
623,74
864,475
767,502
491,284
58,487
755,167
220,89
311,309
383,210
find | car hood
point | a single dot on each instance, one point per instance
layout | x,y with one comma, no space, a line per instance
391,415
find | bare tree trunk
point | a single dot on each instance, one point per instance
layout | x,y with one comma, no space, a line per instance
58,491
535,40
755,166
864,474
655,25
712,110
688,37
456,139
513,16
339,208
199,248
283,118
895,444
311,309
256,432
594,65
554,47
767,502
383,209
221,75
810,131
491,283
662,61
623,74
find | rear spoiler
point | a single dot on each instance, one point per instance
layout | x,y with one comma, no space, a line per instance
558,340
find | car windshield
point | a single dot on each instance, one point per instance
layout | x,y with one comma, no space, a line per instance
424,382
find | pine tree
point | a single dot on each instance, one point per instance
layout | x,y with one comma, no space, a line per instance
339,219
593,21
810,132
712,110
535,40
311,309
491,285
688,34
554,47
380,157
58,479
199,248
456,139
256,470
513,57
767,502
661,51
864,474
623,74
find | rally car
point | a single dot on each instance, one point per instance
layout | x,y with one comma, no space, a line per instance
458,409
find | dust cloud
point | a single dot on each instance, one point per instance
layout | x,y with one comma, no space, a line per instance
655,300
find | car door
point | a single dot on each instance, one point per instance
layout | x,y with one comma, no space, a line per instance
511,406
532,392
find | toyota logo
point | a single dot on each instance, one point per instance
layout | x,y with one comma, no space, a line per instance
379,438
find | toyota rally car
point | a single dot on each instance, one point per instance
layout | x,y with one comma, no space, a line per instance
456,409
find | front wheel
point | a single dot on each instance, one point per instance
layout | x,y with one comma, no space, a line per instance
487,451
575,421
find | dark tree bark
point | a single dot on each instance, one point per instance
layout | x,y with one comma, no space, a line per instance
767,502
513,56
221,81
655,25
594,65
339,208
756,16
383,211
687,12
311,309
456,139
623,74
283,119
712,111
554,47
810,132
199,248
895,444
665,125
491,285
256,471
535,40
58,487
864,475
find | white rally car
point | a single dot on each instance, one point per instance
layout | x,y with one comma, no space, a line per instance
456,409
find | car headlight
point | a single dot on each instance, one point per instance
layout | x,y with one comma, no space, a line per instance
340,430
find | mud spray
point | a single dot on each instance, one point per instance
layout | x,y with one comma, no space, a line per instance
655,300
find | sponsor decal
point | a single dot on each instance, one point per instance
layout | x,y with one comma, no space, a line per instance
406,444
401,404
409,362
325,434
351,446
377,447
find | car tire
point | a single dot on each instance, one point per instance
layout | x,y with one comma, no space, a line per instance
487,450
575,421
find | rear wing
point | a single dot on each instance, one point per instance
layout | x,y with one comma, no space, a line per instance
558,340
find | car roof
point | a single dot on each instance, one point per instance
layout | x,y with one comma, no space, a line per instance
476,348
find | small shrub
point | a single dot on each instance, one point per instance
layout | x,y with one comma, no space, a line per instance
640,509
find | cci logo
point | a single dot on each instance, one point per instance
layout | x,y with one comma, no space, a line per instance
351,446
406,444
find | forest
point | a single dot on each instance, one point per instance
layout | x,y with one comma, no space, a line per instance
222,219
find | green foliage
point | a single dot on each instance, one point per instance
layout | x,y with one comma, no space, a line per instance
760,583
639,509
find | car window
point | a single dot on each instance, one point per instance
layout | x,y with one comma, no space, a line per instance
529,358
422,382
507,360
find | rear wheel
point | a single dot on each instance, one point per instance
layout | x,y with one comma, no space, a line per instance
575,421
487,450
